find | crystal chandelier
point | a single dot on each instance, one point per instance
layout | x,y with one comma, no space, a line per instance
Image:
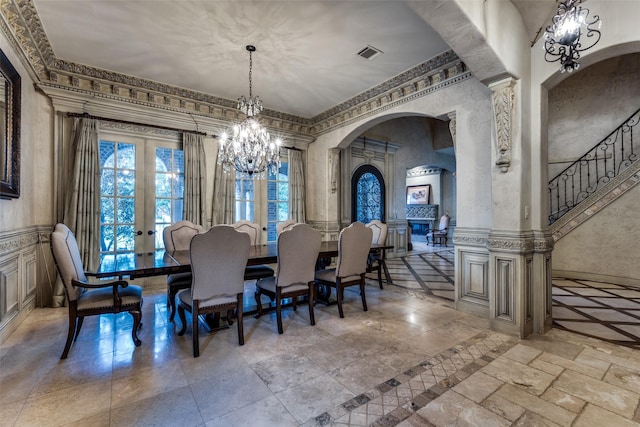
249,149
562,38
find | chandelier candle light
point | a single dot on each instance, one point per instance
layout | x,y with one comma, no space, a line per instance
562,38
249,150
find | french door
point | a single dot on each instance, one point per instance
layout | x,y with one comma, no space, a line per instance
265,202
142,186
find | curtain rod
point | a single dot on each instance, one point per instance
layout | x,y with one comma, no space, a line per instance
106,119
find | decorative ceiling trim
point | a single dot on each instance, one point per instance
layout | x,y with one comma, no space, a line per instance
21,20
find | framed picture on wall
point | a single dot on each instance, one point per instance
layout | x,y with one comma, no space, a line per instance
418,194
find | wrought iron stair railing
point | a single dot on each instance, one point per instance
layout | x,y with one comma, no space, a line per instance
595,168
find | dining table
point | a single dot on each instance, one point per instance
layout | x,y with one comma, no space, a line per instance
160,262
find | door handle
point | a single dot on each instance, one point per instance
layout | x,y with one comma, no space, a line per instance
150,232
139,233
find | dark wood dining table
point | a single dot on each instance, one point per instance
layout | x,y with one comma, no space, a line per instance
160,262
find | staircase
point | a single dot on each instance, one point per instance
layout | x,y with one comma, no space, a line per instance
601,175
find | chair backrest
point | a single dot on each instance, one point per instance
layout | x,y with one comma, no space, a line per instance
285,225
298,249
379,229
444,223
177,237
250,228
66,255
218,260
354,243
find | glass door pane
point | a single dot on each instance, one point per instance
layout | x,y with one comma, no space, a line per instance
118,199
277,200
169,184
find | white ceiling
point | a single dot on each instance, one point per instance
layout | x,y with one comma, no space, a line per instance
306,58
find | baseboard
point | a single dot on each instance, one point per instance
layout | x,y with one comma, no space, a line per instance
627,281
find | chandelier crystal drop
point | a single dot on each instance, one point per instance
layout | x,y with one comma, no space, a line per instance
248,147
563,39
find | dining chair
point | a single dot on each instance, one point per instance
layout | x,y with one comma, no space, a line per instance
285,225
177,237
354,243
253,272
218,259
90,299
441,232
375,260
298,249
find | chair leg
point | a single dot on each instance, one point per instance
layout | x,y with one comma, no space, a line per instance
339,296
137,316
362,296
194,328
379,274
312,297
240,322
70,333
171,303
183,320
78,327
259,304
279,310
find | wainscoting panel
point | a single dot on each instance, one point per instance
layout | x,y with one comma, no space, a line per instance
9,289
504,283
472,281
18,277
475,277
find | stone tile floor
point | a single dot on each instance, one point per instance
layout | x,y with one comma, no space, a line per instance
411,360
602,310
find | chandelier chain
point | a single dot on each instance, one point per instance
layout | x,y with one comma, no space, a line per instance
250,74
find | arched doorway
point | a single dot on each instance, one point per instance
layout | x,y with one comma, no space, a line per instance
367,195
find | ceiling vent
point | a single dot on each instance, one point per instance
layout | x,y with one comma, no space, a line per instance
369,52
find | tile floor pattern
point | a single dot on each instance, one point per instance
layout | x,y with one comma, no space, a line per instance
601,310
432,271
411,360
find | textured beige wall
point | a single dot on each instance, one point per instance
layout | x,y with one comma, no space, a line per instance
35,205
606,244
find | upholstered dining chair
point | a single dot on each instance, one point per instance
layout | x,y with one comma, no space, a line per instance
218,259
441,232
354,243
375,261
177,237
90,299
298,249
253,272
285,225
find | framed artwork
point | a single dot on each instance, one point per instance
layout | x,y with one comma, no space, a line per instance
418,194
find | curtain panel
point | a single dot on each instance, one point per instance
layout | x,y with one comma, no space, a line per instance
195,179
224,196
296,186
82,202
